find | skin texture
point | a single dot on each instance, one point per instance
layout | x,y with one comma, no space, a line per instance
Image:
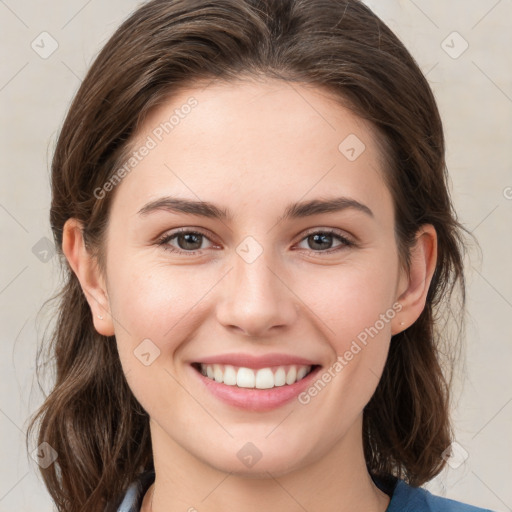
254,148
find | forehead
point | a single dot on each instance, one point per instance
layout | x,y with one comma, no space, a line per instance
252,141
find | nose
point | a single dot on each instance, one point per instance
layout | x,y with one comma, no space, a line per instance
256,298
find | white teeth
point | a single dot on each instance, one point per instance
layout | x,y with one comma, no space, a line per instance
218,375
230,375
264,378
280,377
291,376
301,372
245,378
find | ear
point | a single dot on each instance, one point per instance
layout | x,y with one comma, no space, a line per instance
413,285
85,267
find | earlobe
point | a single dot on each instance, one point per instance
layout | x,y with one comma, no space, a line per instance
85,267
414,286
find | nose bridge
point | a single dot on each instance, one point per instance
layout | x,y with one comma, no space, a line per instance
256,299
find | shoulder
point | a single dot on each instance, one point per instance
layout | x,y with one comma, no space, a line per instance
406,498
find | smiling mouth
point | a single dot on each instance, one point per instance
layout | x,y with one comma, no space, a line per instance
262,378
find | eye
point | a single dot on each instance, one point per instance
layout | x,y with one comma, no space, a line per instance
188,241
322,241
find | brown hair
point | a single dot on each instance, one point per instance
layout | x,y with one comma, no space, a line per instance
91,418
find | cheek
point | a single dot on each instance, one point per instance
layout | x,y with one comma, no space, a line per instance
355,306
350,299
356,318
156,303
155,313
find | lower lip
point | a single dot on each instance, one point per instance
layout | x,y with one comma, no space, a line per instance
257,399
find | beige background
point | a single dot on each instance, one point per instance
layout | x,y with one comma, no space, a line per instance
474,91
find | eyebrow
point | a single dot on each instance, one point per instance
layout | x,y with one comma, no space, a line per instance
292,211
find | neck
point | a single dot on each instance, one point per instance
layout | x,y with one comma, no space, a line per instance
338,481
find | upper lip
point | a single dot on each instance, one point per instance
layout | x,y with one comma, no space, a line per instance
256,362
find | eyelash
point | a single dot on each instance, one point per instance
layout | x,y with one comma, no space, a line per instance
165,239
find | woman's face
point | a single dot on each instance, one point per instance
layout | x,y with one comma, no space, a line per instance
290,264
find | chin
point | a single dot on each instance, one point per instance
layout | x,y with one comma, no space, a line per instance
256,459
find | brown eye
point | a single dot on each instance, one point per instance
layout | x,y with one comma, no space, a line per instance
183,241
189,241
322,241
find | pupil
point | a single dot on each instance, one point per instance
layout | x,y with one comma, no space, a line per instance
189,239
322,238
